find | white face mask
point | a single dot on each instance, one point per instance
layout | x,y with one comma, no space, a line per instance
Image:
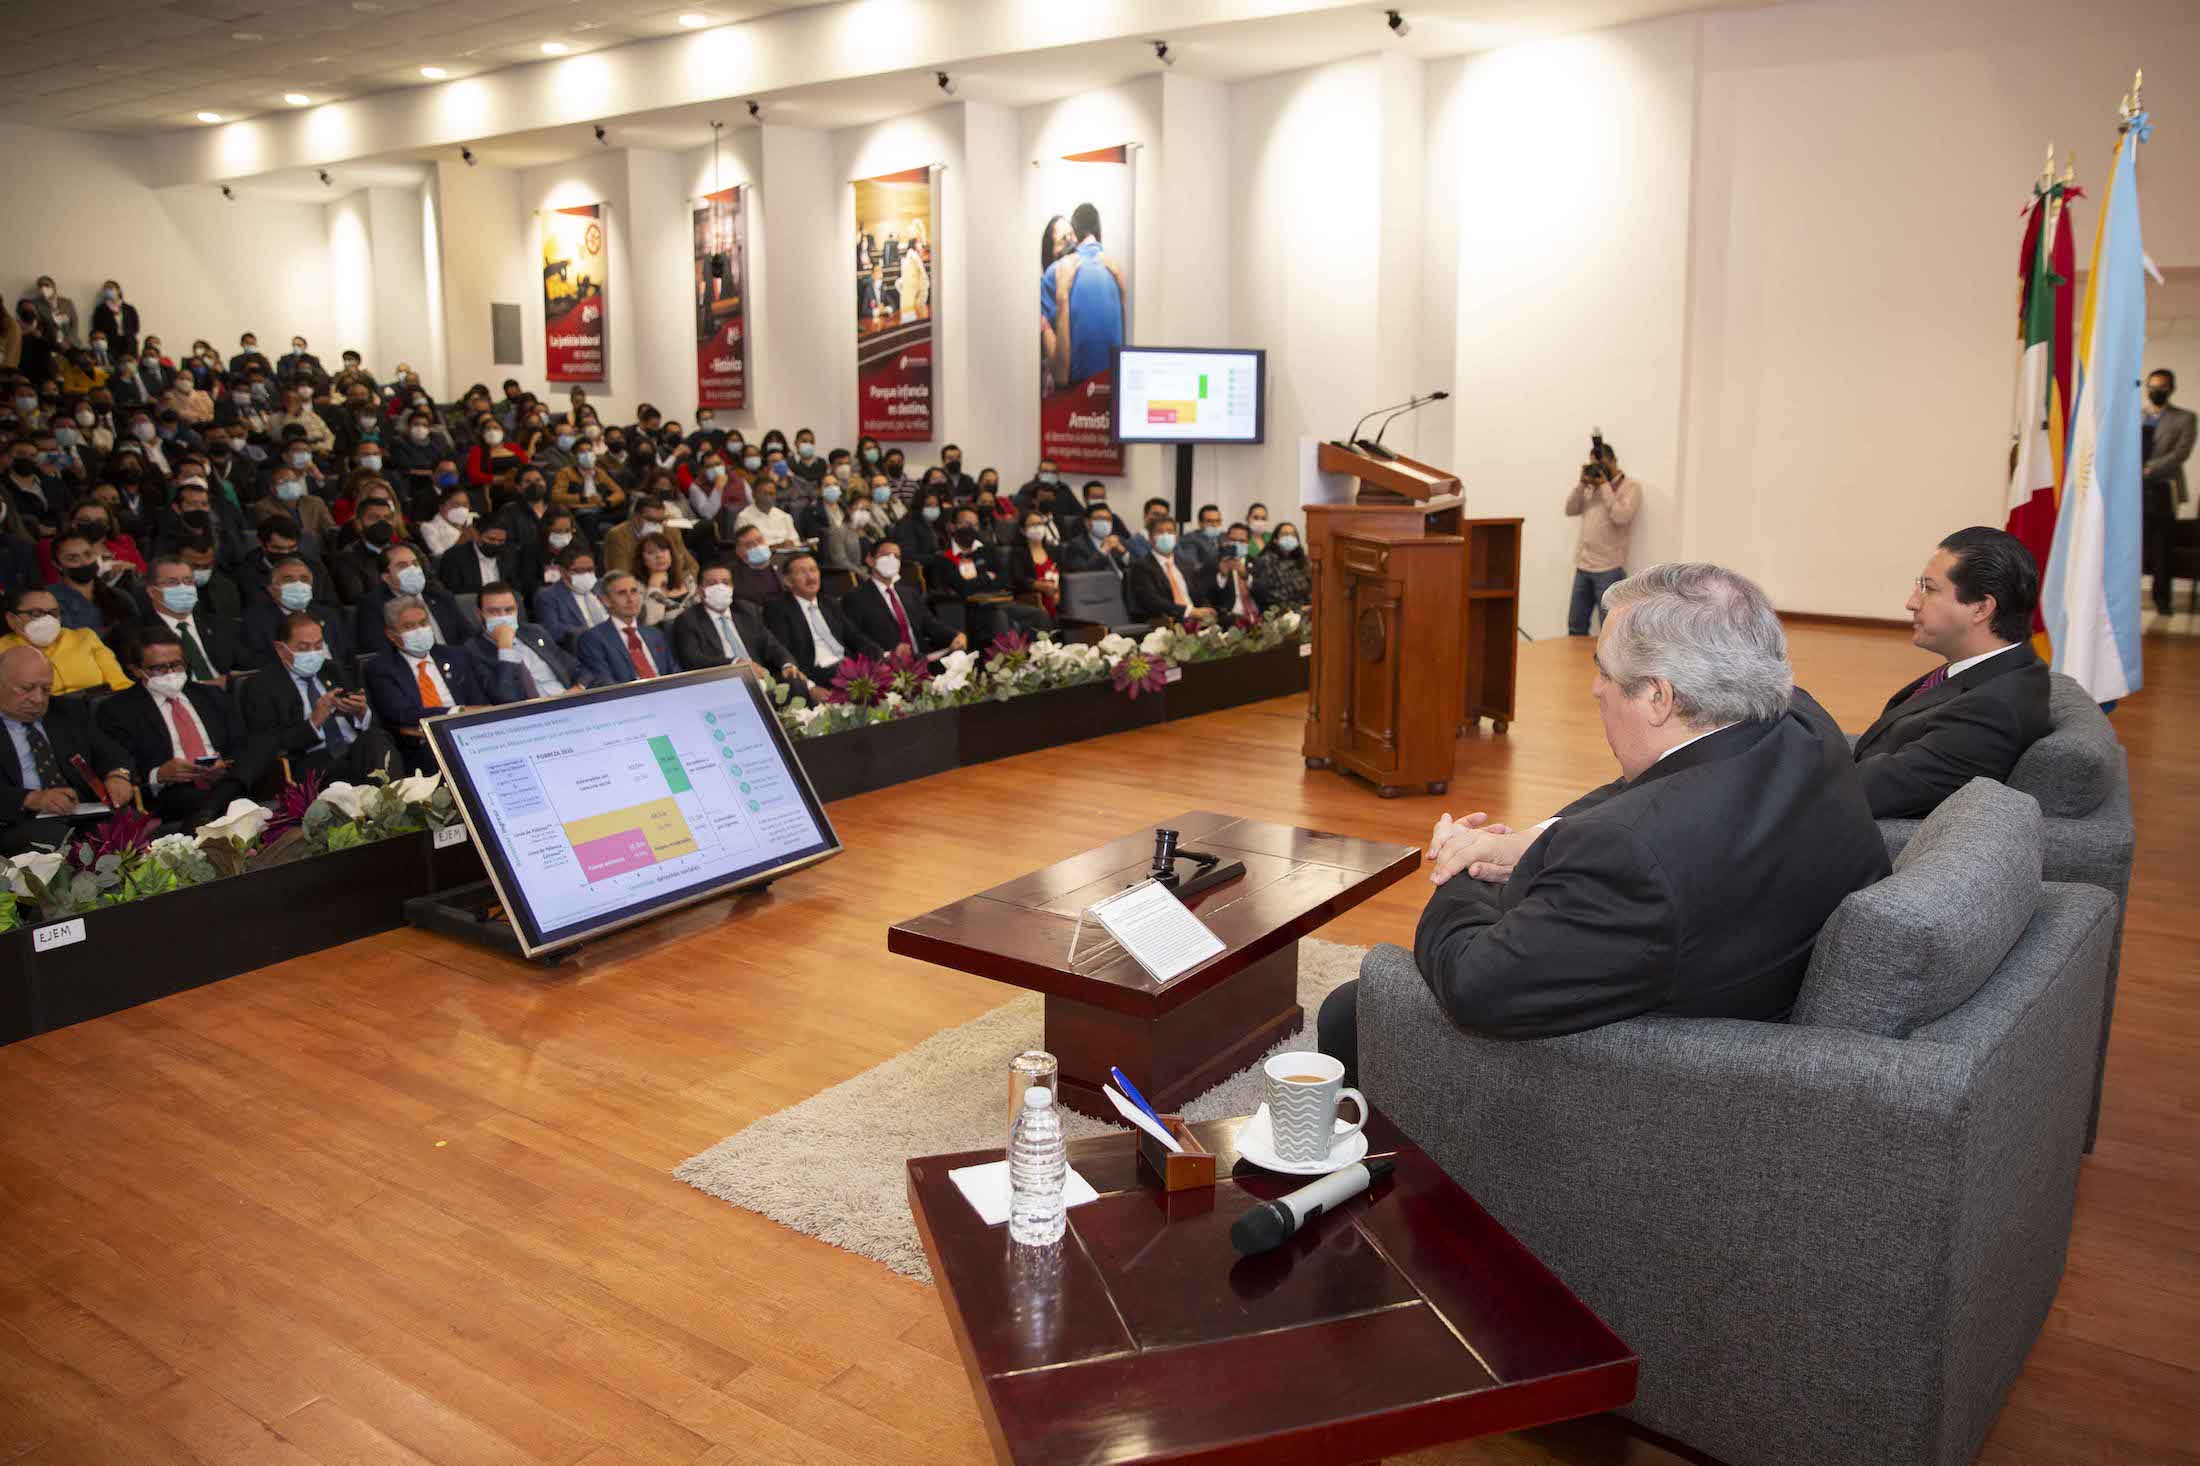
167,684
492,437
717,597
560,539
458,515
417,433
42,630
583,581
887,568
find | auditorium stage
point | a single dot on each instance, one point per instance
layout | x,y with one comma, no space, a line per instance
404,1201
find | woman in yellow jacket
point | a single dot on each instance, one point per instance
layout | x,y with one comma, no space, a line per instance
79,658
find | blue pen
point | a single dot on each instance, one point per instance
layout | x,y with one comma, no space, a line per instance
1130,1092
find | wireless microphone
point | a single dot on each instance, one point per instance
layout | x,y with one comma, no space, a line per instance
1273,1223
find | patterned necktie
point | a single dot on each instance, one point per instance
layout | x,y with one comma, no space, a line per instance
638,654
43,763
1933,679
901,617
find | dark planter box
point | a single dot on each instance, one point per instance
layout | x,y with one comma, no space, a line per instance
863,759
1208,687
992,730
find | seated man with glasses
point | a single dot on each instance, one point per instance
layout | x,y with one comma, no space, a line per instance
190,754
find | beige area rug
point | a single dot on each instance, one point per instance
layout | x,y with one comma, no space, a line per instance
832,1166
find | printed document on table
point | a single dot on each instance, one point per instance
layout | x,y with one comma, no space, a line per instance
1157,929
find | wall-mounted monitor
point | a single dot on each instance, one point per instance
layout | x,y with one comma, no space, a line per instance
1190,394
599,809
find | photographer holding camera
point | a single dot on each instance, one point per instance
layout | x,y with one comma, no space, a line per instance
1605,500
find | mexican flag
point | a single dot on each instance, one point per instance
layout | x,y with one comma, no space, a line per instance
2044,271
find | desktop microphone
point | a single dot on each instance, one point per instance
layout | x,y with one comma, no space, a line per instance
1378,412
1403,411
1273,1223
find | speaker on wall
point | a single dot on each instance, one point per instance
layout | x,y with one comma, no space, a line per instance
504,334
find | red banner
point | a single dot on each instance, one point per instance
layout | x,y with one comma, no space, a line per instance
1084,305
573,276
897,268
721,301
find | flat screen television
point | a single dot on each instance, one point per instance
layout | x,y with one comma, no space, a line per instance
600,809
1189,394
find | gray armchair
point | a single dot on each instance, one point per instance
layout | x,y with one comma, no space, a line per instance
1832,1241
2079,776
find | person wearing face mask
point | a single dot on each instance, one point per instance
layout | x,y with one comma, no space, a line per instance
297,412
517,662
551,448
616,458
249,356
890,612
1231,590
305,706
756,581
116,320
764,513
2165,442
25,347
832,524
624,648
808,464
1038,491
1283,578
80,660
414,451
651,519
1096,545
191,403
88,600
276,540
299,361
404,577
357,423
1256,528
417,677
221,604
922,534
292,498
1034,570
34,496
1204,548
94,522
538,552
188,750
139,381
290,588
58,319
485,557
582,483
567,605
895,466
1155,587
46,748
452,523
965,569
492,454
718,630
665,594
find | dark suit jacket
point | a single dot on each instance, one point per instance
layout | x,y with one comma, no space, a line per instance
872,619
1146,592
784,616
367,629
460,568
393,692
1926,747
275,714
262,627
132,720
943,578
1078,552
70,731
695,641
604,657
1697,890
217,638
503,678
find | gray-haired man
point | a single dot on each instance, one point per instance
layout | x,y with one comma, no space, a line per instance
1695,883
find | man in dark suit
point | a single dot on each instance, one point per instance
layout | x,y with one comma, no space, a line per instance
416,679
306,708
1975,714
621,649
189,752
45,748
291,587
1696,883
1098,546
402,575
812,628
1155,585
2165,440
892,615
964,569
515,661
718,630
485,559
172,604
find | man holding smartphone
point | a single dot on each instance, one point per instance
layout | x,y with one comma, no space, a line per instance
188,750
1605,500
308,708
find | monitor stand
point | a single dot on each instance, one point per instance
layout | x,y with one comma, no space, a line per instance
472,913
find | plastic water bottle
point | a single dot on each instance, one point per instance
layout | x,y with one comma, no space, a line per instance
1038,1165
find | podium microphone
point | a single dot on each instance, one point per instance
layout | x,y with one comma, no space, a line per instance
1403,411
1354,439
1273,1223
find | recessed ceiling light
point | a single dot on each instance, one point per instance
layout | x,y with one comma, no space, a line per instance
298,99
246,36
692,22
554,48
433,73
210,117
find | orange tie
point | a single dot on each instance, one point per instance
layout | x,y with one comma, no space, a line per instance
429,697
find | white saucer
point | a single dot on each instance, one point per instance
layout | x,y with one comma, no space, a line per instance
1257,1144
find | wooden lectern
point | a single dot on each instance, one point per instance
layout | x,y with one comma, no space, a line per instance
1416,613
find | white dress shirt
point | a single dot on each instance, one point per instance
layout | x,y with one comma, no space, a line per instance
1957,669
829,649
168,723
413,665
624,646
547,681
775,522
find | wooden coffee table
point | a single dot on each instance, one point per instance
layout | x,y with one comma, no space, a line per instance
1178,1039
1405,1319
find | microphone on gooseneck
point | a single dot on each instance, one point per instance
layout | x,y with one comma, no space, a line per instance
1273,1223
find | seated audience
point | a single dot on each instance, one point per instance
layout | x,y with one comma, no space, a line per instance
1156,587
49,749
888,612
567,604
484,556
1230,583
718,630
622,648
1256,524
188,752
622,543
755,579
814,630
1975,714
665,593
586,485
1033,568
356,563
414,678
1692,885
290,589
89,591
515,661
78,659
306,708
764,513
1098,546
172,604
402,576
1283,578
964,569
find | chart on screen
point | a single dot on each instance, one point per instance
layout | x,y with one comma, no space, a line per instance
1190,396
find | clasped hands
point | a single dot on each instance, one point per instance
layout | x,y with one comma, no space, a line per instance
1484,851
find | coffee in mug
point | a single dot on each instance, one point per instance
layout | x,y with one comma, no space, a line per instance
1302,1092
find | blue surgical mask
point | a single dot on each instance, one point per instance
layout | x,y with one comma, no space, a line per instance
308,664
295,595
757,555
1101,528
1049,477
880,496
411,579
870,455
300,458
807,450
832,493
565,441
1287,542
1211,531
290,491
179,599
585,458
931,512
446,480
494,622
1164,543
419,641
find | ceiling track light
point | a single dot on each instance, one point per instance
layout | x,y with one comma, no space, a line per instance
602,139
326,181
756,109
947,83
468,155
555,48
1399,25
227,194
1161,53
433,73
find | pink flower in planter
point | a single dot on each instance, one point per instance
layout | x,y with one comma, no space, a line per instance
125,832
905,672
1140,672
1009,646
289,808
1247,623
859,682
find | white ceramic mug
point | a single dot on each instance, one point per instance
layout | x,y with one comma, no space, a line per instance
1302,1091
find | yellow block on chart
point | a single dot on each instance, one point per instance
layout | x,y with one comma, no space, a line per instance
659,822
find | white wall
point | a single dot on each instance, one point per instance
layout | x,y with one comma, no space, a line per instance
351,271
802,362
486,234
399,275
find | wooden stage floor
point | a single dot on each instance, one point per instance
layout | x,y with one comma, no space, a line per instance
405,1202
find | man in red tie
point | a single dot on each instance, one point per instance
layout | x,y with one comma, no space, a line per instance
188,750
892,613
620,648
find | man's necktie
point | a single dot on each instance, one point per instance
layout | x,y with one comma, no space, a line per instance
821,635
528,687
187,731
734,645
901,617
429,697
43,763
1933,679
638,654
194,655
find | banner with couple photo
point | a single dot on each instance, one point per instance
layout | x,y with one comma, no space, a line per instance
573,276
721,300
1082,203
897,274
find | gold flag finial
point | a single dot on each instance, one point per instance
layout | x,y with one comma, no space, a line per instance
2070,167
2047,174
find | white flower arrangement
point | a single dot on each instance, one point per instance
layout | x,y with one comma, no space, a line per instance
242,822
347,799
418,788
41,864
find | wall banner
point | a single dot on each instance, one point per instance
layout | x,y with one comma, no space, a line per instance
1083,208
897,285
574,274
721,300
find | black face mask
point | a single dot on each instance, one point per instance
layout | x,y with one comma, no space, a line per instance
378,534
2159,396
533,494
492,550
93,530
80,574
24,466
130,473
